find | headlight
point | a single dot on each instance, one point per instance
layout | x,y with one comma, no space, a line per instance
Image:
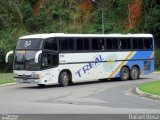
37,76
15,75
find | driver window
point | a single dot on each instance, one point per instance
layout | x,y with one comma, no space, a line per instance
46,60
51,44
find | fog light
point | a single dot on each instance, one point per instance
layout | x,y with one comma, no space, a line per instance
15,75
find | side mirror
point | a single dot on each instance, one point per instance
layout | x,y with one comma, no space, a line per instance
37,56
7,55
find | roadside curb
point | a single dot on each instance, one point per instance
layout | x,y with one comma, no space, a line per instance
157,72
9,84
148,95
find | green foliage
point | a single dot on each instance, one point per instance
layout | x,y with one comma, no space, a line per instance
119,7
133,30
151,87
157,60
2,58
67,16
6,78
153,24
12,12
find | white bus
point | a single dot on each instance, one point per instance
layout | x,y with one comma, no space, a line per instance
67,58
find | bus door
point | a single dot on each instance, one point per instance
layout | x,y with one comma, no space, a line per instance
49,62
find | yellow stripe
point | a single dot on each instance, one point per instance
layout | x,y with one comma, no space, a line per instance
120,65
146,66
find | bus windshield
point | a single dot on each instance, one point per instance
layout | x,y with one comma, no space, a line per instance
25,60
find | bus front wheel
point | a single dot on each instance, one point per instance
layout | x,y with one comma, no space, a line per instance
124,73
134,74
64,79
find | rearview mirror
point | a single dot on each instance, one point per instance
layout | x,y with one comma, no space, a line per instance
7,55
37,56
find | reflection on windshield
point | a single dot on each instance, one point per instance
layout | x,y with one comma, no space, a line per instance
25,60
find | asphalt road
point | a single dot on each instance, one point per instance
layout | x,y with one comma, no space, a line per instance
105,97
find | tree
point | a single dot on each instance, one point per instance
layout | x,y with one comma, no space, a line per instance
2,56
11,8
153,24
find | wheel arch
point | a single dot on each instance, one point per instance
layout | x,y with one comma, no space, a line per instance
126,66
68,72
130,67
136,66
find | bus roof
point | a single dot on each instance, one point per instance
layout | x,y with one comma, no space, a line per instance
44,36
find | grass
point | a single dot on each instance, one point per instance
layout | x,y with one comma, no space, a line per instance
6,78
157,69
151,87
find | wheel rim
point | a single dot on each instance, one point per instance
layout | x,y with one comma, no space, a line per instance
125,73
65,79
134,73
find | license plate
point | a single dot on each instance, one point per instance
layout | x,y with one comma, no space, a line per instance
26,81
24,78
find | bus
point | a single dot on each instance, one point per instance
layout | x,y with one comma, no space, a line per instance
44,59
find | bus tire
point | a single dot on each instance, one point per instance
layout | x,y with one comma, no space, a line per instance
64,79
41,85
134,74
124,73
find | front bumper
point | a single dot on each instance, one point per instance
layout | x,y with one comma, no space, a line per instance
29,80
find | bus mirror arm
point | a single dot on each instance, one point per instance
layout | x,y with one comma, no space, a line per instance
37,56
7,55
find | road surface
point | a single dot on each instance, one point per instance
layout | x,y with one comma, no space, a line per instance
106,97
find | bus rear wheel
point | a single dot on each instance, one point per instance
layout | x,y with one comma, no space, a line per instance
64,79
134,74
124,73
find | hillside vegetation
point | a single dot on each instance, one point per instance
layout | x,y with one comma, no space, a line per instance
22,17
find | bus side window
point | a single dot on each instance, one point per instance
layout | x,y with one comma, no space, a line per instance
82,44
67,44
115,45
148,43
140,43
94,43
101,44
125,44
137,43
97,43
63,44
51,44
108,44
129,43
86,43
71,44
134,43
79,43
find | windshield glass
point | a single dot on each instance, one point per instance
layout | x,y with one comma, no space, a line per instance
25,60
29,44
